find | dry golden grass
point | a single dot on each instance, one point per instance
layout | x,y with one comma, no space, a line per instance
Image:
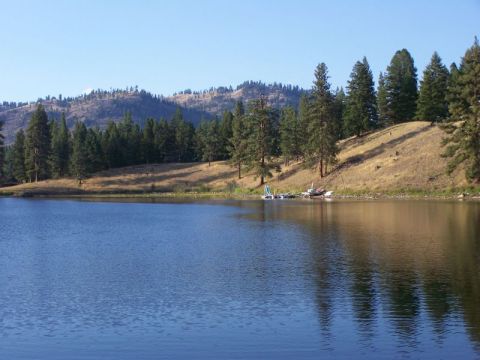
400,158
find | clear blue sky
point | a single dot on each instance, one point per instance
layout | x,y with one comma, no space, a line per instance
52,47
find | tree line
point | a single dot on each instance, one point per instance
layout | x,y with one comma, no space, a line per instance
253,135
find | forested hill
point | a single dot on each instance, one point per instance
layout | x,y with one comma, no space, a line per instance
99,107
95,109
217,100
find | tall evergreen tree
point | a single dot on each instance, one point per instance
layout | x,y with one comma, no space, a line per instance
200,132
432,100
401,87
79,160
464,135
148,141
164,141
93,151
339,105
238,141
209,140
303,120
321,146
60,152
260,122
225,134
37,146
112,146
457,104
361,107
290,141
130,140
8,165
184,134
19,172
384,117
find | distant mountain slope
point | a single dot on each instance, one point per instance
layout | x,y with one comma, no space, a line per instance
96,109
99,107
216,100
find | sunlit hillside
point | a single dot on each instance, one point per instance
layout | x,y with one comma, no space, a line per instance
402,157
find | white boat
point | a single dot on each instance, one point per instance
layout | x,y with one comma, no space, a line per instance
328,194
313,193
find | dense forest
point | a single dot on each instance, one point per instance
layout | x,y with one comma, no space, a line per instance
255,135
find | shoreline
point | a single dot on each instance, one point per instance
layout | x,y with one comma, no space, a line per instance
451,194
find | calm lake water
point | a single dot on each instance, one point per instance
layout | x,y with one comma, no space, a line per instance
239,279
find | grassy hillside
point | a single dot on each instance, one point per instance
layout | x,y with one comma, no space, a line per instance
215,101
401,158
97,109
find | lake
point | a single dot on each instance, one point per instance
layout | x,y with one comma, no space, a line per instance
239,279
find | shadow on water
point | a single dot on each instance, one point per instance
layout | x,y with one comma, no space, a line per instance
406,262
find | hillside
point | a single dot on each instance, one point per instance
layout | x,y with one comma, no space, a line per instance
216,100
403,157
96,109
99,107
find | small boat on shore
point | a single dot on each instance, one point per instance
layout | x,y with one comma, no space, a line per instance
267,194
317,193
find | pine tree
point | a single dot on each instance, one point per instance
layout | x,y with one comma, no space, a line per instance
164,141
238,141
209,141
200,132
260,122
464,135
290,142
8,165
148,141
184,134
457,104
130,140
321,146
93,151
384,117
225,134
361,107
303,119
19,157
111,145
37,146
401,87
339,105
432,100
60,152
79,160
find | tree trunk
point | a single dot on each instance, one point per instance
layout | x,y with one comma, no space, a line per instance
321,168
239,170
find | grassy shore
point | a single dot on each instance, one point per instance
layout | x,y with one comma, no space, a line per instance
463,193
